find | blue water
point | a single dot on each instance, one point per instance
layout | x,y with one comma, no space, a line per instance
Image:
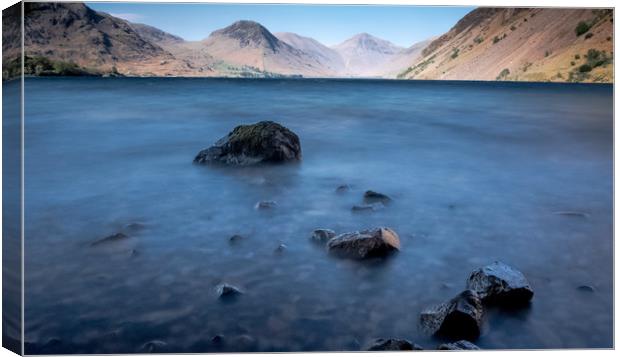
477,171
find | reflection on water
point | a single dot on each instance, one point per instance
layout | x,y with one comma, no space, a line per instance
476,171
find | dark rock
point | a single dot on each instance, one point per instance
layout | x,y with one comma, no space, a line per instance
458,345
392,344
376,242
459,318
586,288
500,283
236,238
153,346
572,214
376,197
110,239
367,207
281,248
265,205
217,340
343,188
263,142
226,291
322,235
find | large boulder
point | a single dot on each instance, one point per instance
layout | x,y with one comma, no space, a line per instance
459,318
263,142
370,243
501,284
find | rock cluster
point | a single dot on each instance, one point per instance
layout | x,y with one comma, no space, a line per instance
461,317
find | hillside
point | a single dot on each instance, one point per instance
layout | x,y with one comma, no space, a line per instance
72,32
327,57
522,45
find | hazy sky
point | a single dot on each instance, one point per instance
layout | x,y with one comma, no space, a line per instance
402,25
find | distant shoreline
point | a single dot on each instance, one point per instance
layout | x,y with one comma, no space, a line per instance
292,78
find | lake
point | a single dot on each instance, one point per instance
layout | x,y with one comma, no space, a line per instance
477,171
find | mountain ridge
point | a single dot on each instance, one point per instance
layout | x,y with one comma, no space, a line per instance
486,44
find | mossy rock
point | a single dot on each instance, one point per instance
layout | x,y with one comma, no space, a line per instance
263,142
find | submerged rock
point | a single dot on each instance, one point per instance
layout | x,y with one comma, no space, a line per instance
376,242
376,197
263,205
217,340
459,318
111,238
235,238
392,344
572,214
586,288
322,235
343,188
153,346
226,291
500,283
262,142
281,248
367,207
461,345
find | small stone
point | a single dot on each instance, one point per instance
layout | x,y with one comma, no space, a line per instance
153,346
322,235
236,238
376,197
459,318
110,239
343,188
262,205
458,345
369,243
280,249
392,344
586,288
500,283
226,291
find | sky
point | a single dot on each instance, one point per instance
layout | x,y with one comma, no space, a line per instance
329,24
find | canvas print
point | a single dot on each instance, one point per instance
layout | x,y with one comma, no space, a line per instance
201,177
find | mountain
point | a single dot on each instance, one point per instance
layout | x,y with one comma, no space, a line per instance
248,43
522,44
325,56
365,55
73,32
155,35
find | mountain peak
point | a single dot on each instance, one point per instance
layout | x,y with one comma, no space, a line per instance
367,42
249,33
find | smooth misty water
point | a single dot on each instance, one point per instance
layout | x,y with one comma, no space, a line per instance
477,171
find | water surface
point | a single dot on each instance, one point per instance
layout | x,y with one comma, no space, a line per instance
477,172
